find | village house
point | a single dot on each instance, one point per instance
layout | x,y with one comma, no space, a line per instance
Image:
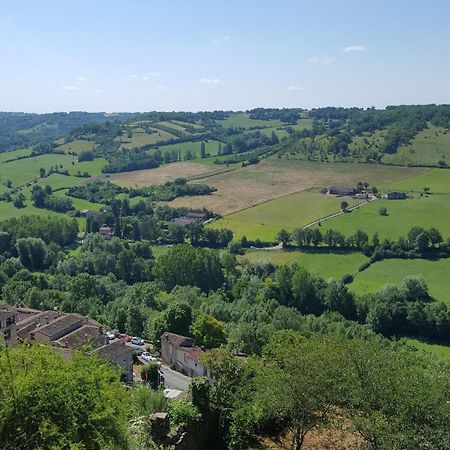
66,332
180,353
183,221
8,328
106,232
120,354
342,191
395,195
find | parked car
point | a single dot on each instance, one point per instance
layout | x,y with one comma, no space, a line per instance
146,356
124,337
110,335
137,340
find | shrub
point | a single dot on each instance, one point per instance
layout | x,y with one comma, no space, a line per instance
364,266
347,278
149,374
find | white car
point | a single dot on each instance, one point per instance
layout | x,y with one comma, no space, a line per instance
146,356
137,340
110,335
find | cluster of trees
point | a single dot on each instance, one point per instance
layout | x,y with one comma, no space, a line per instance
287,115
417,244
43,198
384,396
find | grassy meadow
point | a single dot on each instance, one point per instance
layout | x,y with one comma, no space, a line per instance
77,146
211,147
428,147
327,265
266,219
242,120
393,271
427,211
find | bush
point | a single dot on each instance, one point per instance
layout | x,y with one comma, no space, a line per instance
184,414
347,279
364,266
383,211
149,374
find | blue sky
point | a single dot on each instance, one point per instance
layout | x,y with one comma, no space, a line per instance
141,55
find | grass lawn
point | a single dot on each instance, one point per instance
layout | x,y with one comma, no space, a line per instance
25,170
7,211
80,203
443,351
91,167
175,126
77,146
266,219
393,271
211,146
188,124
139,139
243,120
427,212
159,250
438,180
428,147
6,156
327,265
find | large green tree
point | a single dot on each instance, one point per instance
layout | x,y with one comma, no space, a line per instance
48,402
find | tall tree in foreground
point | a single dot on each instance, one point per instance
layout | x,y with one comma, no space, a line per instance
49,402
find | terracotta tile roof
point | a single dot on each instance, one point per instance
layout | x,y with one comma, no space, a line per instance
83,335
178,340
114,350
60,324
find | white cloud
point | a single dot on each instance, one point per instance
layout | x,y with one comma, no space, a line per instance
155,74
97,91
145,78
161,87
326,61
71,88
295,88
134,77
212,82
81,78
354,48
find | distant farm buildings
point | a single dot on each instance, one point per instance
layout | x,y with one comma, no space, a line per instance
191,218
342,191
395,195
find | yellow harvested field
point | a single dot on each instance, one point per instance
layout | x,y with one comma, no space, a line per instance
273,178
167,172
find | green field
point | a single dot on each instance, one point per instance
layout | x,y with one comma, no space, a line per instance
212,147
428,148
442,351
6,156
77,146
438,180
243,120
266,219
91,167
26,170
140,139
7,211
393,271
426,211
327,265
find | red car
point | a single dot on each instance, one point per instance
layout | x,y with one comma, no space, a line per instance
125,337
